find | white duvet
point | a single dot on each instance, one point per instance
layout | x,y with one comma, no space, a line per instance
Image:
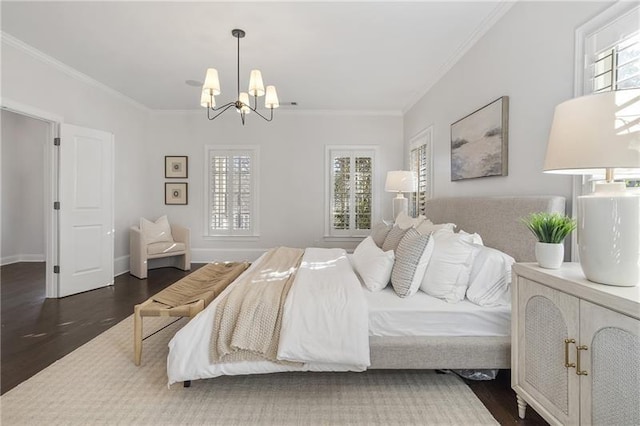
324,325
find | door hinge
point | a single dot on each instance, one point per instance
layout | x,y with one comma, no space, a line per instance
56,141
56,269
56,205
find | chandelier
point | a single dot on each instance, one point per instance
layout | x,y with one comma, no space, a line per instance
242,104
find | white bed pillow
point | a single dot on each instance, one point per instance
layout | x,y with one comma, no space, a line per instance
476,238
447,276
404,221
372,264
379,232
412,258
427,227
490,277
156,232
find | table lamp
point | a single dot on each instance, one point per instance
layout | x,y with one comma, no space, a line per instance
400,181
597,134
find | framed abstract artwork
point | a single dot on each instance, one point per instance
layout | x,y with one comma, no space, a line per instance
479,142
176,167
176,193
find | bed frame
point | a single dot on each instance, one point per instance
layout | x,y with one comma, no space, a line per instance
498,221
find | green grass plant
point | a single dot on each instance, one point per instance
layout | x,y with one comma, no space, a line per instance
550,227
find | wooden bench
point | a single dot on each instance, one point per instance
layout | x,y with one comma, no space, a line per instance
185,298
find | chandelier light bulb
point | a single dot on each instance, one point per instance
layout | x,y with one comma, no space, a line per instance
256,86
207,100
244,98
271,100
211,81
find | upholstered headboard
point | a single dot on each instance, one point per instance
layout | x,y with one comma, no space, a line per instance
496,219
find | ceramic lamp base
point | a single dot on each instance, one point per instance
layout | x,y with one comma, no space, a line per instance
609,237
400,204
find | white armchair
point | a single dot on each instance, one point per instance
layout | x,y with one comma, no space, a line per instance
141,252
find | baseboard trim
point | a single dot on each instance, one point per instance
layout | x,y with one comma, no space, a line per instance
121,265
8,260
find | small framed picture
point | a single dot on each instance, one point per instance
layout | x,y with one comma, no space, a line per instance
176,193
176,167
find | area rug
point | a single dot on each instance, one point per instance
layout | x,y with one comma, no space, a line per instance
98,384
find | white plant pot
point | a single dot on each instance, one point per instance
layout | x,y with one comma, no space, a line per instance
549,256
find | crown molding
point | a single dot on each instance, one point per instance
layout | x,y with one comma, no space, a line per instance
498,12
12,41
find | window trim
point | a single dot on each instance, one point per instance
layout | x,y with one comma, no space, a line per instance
254,233
424,138
352,235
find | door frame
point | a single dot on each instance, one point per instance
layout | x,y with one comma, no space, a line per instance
51,163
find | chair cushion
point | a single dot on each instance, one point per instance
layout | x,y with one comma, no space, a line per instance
164,247
156,232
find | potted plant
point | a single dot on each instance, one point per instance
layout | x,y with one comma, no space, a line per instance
550,229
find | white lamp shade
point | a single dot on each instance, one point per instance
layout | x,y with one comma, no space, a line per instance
400,181
271,100
244,98
595,132
211,81
256,87
207,99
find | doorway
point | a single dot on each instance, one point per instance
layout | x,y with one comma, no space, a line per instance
23,192
77,174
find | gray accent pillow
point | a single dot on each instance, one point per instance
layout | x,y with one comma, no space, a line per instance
393,238
412,258
379,233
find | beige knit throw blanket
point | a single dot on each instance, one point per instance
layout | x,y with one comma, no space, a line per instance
205,283
248,319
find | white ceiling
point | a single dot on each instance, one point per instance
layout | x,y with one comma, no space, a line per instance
360,56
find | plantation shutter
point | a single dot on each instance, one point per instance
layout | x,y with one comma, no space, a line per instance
420,166
351,191
617,68
231,192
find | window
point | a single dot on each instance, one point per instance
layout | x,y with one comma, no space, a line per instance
618,67
421,164
608,48
232,186
350,190
607,52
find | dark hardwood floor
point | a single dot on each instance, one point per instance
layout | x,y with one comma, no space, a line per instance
37,331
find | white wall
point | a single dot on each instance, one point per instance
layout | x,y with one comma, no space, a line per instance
29,79
292,179
292,171
23,142
528,55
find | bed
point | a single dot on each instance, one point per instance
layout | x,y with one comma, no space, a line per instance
483,343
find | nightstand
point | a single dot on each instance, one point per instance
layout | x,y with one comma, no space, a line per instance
575,347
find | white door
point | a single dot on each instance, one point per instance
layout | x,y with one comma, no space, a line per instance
85,232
